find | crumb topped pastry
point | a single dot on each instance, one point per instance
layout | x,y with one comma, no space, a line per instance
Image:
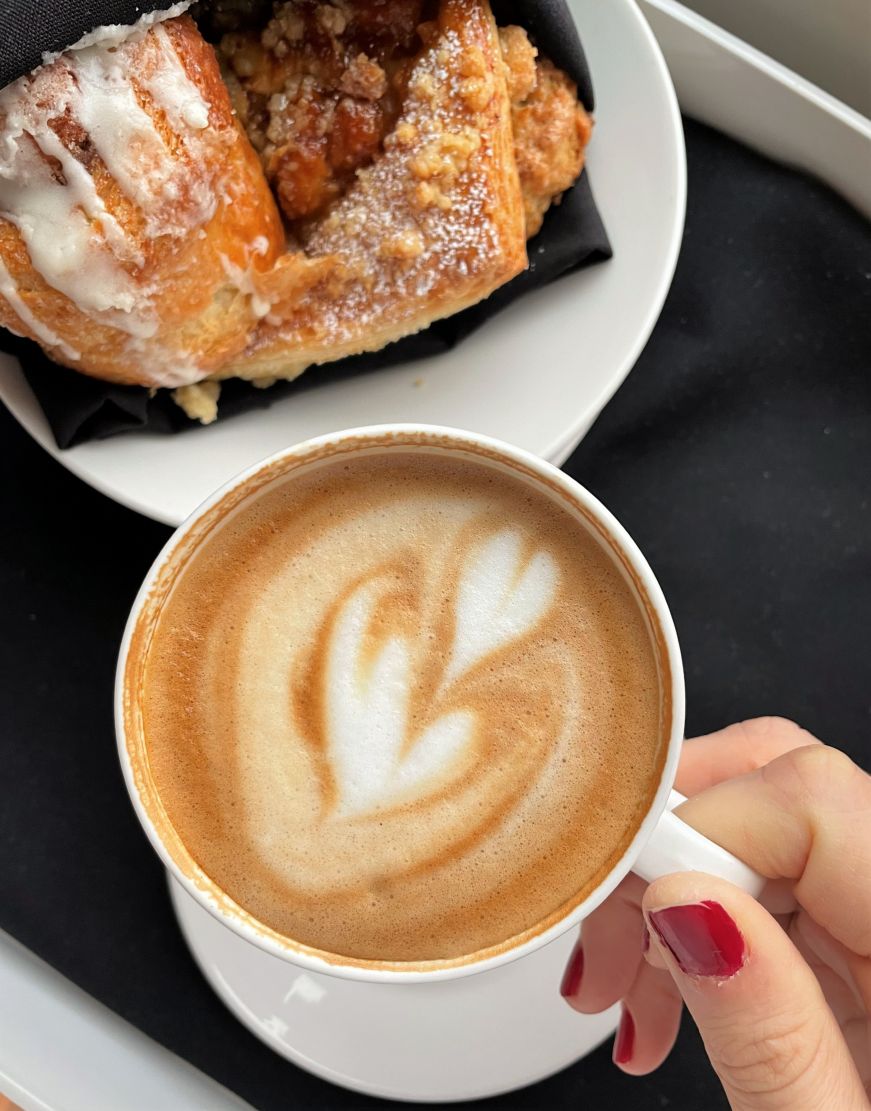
331,178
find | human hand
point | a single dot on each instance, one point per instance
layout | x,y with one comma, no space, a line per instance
782,999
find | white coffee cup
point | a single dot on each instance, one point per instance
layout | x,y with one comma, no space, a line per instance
662,844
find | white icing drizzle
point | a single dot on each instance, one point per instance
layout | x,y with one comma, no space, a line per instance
76,245
122,133
104,101
243,280
113,34
92,204
52,219
167,368
173,91
43,333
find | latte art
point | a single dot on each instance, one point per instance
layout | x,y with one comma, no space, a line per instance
367,726
402,708
499,599
367,723
370,672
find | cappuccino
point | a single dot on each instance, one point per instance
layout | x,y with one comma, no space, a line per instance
397,705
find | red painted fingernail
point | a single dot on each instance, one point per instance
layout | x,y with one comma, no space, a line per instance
645,938
624,1043
702,938
574,973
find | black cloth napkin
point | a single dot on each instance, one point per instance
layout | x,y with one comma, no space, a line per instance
737,454
79,408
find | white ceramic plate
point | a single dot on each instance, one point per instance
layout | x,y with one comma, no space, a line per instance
537,375
458,1040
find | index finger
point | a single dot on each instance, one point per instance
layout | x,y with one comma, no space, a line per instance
737,750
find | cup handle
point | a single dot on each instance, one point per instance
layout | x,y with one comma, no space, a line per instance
677,847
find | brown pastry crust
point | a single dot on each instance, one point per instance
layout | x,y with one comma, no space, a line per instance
551,128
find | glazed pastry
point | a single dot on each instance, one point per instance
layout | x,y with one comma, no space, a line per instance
133,211
411,148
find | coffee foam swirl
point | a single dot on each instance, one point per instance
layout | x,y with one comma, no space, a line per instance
403,708
375,666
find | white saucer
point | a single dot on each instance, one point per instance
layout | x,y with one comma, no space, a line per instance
457,1040
537,375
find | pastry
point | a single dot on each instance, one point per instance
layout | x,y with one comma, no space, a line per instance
349,173
133,211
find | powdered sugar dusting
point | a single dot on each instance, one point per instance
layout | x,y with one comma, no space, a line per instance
419,226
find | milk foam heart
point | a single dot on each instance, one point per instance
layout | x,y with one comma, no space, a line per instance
373,757
373,754
402,707
499,599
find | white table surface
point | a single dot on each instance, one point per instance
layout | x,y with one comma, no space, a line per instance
61,1050
826,41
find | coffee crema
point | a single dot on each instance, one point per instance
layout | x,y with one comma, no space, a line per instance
399,707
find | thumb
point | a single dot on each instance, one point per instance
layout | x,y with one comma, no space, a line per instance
765,1023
